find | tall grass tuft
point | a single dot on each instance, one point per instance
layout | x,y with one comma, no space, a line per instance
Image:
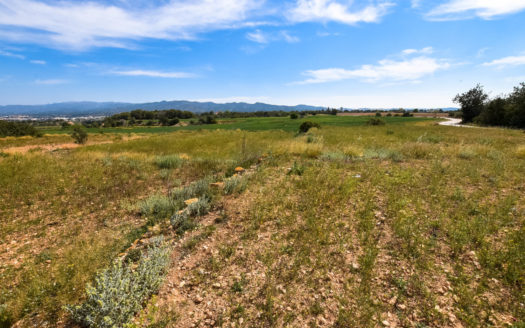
120,291
168,161
234,184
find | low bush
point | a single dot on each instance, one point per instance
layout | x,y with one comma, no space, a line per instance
182,222
195,189
157,207
307,125
120,291
375,121
198,208
168,161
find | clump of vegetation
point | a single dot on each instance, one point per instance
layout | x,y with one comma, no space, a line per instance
307,125
198,208
120,291
375,121
500,111
294,116
182,222
296,169
168,161
79,134
195,189
17,129
234,184
156,207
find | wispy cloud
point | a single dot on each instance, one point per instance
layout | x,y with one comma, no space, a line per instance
262,37
51,82
147,73
406,69
465,9
425,51
80,25
506,61
38,62
11,54
337,11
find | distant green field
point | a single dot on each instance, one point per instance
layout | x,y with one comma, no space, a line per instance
250,124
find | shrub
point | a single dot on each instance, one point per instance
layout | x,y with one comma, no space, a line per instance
156,207
234,184
120,291
168,161
378,114
182,222
198,208
294,116
333,156
195,189
79,134
307,125
375,121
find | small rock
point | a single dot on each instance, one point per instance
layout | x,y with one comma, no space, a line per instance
218,185
355,266
198,299
216,285
385,323
401,306
191,201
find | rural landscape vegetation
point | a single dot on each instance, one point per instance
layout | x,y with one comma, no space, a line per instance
216,214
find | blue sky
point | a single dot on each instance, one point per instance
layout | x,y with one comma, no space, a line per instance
361,53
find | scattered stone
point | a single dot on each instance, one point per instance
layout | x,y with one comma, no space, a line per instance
198,299
218,185
385,323
191,201
355,266
401,306
216,285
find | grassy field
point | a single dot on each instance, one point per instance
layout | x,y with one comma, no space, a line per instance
248,124
409,224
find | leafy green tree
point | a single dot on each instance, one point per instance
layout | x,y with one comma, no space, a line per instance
515,114
493,113
471,103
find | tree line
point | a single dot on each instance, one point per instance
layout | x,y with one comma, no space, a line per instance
17,129
504,110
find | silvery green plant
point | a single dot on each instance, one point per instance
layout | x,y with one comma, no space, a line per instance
234,184
156,207
198,208
119,291
195,189
182,222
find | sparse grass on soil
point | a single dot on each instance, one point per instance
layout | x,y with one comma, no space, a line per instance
407,224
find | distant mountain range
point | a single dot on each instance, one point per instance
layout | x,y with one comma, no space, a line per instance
90,108
86,108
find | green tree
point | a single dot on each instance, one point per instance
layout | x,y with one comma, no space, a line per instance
471,103
79,134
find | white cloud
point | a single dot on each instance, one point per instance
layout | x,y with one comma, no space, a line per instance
485,9
10,54
507,61
338,11
80,25
426,51
407,69
172,75
38,62
51,82
259,36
